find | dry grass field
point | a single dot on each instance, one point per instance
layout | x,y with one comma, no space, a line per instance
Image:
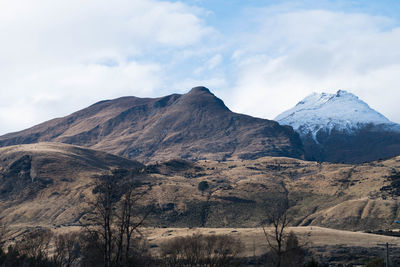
324,244
256,244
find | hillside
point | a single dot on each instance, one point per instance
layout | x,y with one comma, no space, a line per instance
354,197
196,125
46,183
50,184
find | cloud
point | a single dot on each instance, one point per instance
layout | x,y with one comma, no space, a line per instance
59,56
293,53
83,30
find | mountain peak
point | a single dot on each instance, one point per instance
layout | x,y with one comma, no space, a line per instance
200,89
343,93
340,111
201,97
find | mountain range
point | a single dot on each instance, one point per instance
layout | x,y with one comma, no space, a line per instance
197,125
342,128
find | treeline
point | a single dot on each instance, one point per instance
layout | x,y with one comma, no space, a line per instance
42,248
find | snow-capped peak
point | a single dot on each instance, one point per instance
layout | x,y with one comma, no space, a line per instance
342,111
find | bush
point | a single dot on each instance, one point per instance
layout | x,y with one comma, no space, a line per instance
203,186
375,263
312,263
200,250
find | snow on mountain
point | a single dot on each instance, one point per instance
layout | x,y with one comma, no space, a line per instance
342,111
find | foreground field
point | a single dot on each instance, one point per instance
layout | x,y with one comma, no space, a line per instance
256,244
328,246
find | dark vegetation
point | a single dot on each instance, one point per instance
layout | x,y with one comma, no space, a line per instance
393,189
18,183
203,186
386,232
353,256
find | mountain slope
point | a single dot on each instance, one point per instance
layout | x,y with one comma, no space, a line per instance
342,128
196,125
51,185
47,183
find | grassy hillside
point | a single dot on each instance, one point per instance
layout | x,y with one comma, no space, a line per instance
50,184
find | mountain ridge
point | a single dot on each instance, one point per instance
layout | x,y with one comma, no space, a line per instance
195,125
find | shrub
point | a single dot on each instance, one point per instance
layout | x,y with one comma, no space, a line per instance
200,250
203,186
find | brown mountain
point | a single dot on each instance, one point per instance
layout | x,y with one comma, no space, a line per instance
196,125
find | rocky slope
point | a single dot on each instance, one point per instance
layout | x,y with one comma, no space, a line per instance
196,125
342,128
51,184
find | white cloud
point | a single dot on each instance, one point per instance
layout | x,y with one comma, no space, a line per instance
88,29
210,64
59,56
214,61
295,53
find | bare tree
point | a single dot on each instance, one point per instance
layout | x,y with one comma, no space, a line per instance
35,244
66,249
285,247
127,217
3,232
277,218
104,206
114,219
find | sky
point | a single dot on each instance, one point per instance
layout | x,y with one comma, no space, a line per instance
259,57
